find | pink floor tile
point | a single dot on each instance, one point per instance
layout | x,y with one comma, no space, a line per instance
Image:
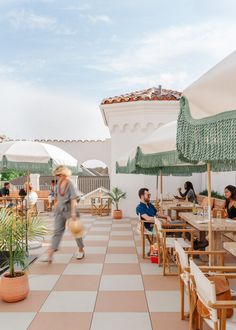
77,283
96,243
117,269
168,321
45,268
121,250
32,303
159,282
61,321
113,301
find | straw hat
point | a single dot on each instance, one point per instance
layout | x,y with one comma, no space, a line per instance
62,170
76,227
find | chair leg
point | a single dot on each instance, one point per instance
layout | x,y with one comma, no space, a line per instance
182,299
143,244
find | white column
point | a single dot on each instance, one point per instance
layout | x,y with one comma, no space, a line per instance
34,179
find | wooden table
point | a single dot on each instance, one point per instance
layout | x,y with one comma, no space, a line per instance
230,247
178,207
219,226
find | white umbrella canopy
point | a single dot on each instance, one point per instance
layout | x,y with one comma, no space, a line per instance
207,118
214,92
158,153
34,156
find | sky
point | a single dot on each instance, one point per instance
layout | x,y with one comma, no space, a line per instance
60,58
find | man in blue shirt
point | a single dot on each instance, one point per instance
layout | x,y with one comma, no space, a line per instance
148,212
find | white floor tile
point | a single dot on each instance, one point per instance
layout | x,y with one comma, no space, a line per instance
121,283
83,269
115,258
95,249
151,269
19,321
97,238
70,301
122,233
163,301
118,321
42,282
114,243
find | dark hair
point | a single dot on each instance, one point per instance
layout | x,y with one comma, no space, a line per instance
6,184
189,186
53,181
232,190
141,191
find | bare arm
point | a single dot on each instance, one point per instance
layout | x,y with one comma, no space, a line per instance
73,208
147,218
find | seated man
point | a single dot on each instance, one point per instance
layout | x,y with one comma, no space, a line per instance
148,212
5,191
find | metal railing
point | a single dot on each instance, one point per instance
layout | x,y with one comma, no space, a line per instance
87,184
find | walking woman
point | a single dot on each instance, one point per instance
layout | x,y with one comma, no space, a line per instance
65,208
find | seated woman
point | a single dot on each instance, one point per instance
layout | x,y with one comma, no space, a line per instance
230,202
189,192
31,198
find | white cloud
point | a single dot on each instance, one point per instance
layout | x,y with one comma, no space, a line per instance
82,7
37,113
177,43
23,19
170,79
99,19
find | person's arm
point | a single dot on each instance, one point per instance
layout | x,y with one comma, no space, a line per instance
73,200
73,209
183,195
147,218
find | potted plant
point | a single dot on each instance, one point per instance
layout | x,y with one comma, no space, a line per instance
116,194
13,231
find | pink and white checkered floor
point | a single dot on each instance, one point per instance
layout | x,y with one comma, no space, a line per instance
113,288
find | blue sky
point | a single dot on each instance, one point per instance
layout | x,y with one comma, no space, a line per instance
60,58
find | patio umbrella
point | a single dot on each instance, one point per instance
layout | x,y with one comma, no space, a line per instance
34,157
157,155
207,121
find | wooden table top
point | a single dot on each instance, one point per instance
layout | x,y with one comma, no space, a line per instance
201,223
230,247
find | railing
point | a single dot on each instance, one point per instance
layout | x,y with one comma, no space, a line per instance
87,184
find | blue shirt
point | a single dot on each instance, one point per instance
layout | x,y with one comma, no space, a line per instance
147,209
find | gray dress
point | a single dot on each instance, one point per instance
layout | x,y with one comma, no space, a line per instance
62,213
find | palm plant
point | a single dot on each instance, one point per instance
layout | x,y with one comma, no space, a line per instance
13,231
116,195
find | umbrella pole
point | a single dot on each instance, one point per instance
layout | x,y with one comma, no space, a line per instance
27,212
209,210
157,190
161,190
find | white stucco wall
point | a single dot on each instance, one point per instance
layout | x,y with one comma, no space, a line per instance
86,150
129,123
219,181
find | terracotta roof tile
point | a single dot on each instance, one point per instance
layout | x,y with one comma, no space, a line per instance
151,94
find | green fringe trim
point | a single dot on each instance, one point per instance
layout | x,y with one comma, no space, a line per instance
32,167
211,139
153,164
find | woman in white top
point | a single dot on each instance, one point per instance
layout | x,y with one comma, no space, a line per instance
31,196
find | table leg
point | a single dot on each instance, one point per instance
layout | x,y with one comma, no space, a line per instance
217,246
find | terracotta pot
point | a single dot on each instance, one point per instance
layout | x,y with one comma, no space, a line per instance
14,289
117,214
